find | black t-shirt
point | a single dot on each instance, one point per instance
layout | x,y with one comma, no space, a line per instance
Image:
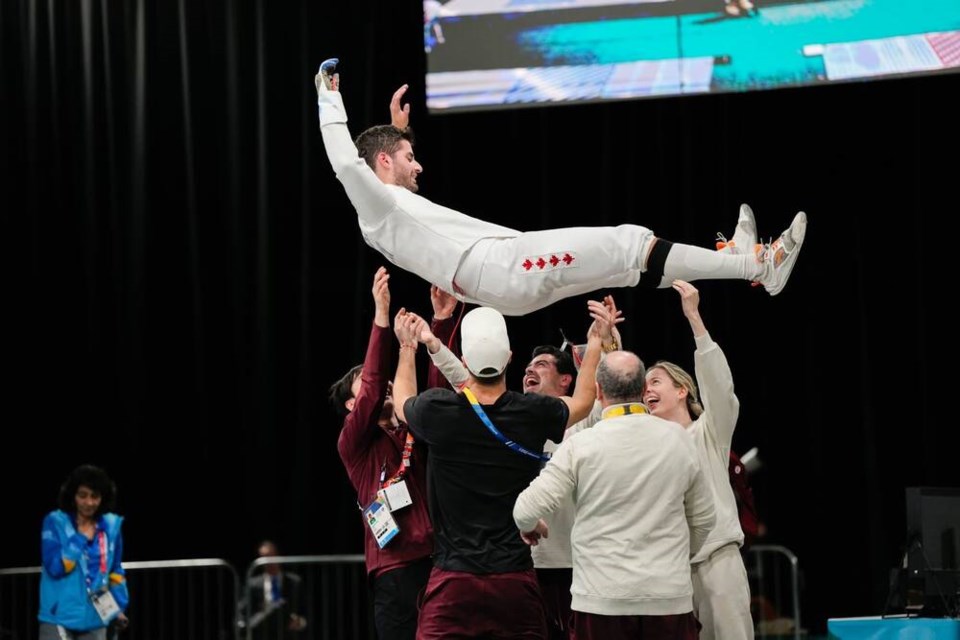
473,479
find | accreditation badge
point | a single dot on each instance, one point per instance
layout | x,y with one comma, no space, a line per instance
382,525
397,496
105,605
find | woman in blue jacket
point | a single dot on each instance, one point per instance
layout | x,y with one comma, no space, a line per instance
82,586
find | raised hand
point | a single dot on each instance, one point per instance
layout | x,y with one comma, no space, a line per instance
690,302
420,328
605,317
381,297
327,77
403,327
689,297
417,328
443,303
399,116
611,306
425,336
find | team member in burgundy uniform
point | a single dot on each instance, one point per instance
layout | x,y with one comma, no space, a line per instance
485,447
372,445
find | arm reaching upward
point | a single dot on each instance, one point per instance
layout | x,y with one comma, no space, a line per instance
445,367
690,302
444,360
405,382
369,196
714,377
585,392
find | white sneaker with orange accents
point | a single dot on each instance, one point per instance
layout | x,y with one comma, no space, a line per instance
779,257
744,236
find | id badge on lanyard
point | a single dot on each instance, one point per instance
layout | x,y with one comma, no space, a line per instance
382,525
105,604
396,495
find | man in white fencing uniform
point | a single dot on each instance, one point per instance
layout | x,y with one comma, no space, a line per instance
512,271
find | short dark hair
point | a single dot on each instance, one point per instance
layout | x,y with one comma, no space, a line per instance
341,390
383,137
564,360
87,475
624,380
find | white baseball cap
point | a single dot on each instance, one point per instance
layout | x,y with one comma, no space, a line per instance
484,342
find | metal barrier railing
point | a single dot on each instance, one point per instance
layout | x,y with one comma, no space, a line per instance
327,594
176,599
774,576
19,602
189,599
201,599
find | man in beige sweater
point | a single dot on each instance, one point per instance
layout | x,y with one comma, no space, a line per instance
643,509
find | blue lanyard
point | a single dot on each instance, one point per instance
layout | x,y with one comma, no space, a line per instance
496,432
93,582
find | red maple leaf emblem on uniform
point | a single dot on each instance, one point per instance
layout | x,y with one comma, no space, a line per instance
554,260
541,263
567,258
527,264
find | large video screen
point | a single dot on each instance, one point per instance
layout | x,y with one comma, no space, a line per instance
485,54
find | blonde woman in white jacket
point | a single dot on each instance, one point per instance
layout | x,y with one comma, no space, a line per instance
721,593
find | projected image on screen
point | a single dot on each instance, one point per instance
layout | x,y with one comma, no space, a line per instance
499,53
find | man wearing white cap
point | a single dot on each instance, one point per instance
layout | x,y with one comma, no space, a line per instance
551,371
484,449
517,272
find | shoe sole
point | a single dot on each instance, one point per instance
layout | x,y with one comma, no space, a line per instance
782,259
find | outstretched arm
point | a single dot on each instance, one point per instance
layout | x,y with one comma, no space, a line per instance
690,302
369,196
585,392
445,360
357,431
405,382
442,359
445,367
714,377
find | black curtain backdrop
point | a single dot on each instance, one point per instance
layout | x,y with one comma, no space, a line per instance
184,277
